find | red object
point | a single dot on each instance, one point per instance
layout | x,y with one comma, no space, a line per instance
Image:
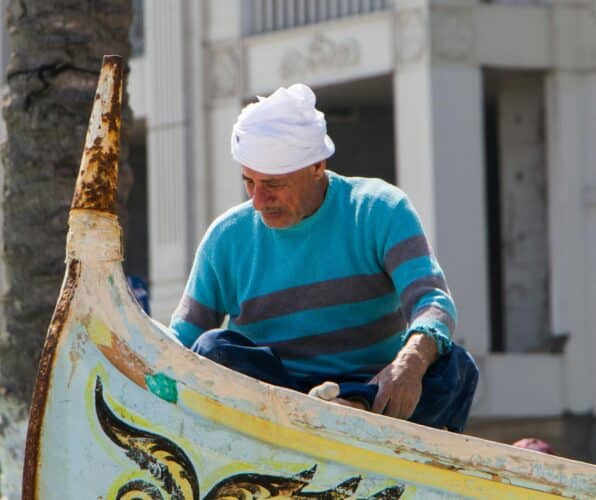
535,444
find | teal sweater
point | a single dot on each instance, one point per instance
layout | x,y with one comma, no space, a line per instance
338,293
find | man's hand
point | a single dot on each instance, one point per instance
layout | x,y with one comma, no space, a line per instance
400,382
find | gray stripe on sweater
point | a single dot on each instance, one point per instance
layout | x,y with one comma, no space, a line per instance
418,289
314,296
416,246
342,340
435,312
197,314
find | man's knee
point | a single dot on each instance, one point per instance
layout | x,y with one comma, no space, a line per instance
448,391
468,369
238,352
212,344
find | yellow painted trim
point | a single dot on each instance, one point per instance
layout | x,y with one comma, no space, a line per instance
328,449
98,332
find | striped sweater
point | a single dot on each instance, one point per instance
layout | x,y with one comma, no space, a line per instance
338,293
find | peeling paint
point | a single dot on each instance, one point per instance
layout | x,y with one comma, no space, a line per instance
76,353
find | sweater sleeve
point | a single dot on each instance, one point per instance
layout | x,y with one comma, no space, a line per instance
200,308
424,296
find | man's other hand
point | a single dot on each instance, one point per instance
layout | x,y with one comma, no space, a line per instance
329,391
400,382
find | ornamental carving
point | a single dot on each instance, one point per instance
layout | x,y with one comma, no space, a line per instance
453,34
224,71
170,473
411,36
321,54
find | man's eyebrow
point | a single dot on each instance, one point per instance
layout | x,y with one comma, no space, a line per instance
265,181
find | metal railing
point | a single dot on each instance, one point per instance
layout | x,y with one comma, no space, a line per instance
263,16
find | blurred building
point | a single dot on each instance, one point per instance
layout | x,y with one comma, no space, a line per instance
484,112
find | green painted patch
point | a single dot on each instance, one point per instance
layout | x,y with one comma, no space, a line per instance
163,387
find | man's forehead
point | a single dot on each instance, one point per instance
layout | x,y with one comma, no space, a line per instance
253,174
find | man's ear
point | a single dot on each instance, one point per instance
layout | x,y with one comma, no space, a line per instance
320,169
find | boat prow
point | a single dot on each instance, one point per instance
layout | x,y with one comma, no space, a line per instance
122,410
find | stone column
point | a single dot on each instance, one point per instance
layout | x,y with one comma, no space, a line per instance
167,155
571,104
570,301
224,103
224,83
440,147
589,200
198,185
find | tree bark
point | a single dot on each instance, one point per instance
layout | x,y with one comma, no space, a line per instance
56,52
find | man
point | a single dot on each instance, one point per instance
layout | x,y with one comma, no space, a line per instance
324,278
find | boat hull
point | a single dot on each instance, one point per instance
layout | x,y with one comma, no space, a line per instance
128,407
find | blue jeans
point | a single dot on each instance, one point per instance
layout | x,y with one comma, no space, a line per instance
447,387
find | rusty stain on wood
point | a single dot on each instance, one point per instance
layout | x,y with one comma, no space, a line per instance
40,394
98,175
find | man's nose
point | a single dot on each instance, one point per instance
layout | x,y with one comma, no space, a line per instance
260,198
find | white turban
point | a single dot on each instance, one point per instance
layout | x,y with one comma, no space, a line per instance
281,133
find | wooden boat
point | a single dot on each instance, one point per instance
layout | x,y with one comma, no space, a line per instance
121,410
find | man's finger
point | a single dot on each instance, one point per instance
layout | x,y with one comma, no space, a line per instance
394,408
402,410
401,404
381,401
406,409
409,403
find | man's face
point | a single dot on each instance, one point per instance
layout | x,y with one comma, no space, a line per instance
284,200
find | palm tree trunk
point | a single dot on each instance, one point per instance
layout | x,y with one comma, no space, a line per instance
56,52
